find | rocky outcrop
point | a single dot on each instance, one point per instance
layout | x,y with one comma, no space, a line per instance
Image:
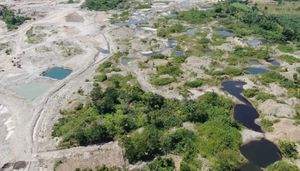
249,135
272,108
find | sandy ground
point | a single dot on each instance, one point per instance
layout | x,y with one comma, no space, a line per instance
70,38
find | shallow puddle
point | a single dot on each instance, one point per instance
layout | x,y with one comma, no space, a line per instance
32,90
256,70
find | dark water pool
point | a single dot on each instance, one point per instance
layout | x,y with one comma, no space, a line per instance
58,73
249,167
256,70
262,153
259,153
246,115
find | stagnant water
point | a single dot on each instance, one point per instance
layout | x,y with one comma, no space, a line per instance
58,73
260,153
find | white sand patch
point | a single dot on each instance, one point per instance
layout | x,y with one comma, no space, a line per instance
10,127
3,109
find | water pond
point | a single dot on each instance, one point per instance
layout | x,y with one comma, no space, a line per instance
260,153
274,62
256,70
57,73
224,33
32,90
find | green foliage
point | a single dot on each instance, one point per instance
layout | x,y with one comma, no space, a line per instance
101,5
101,77
267,124
81,127
170,69
105,168
251,92
264,96
195,83
179,141
161,164
12,21
217,137
231,71
190,164
288,149
196,16
227,160
104,66
282,166
165,31
156,80
56,164
289,59
286,48
142,145
243,55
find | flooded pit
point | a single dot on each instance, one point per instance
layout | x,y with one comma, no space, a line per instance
259,153
57,73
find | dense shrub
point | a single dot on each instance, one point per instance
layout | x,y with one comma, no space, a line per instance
217,137
142,145
179,141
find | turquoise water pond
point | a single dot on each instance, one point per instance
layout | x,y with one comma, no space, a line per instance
57,73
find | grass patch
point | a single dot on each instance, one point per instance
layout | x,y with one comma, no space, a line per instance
289,59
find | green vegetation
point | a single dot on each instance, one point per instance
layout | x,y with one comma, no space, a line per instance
267,124
124,16
101,5
12,21
161,81
251,92
101,77
282,166
196,16
165,31
179,141
56,164
163,164
258,94
166,74
286,48
231,71
195,83
243,55
288,149
275,77
101,168
289,59
149,126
